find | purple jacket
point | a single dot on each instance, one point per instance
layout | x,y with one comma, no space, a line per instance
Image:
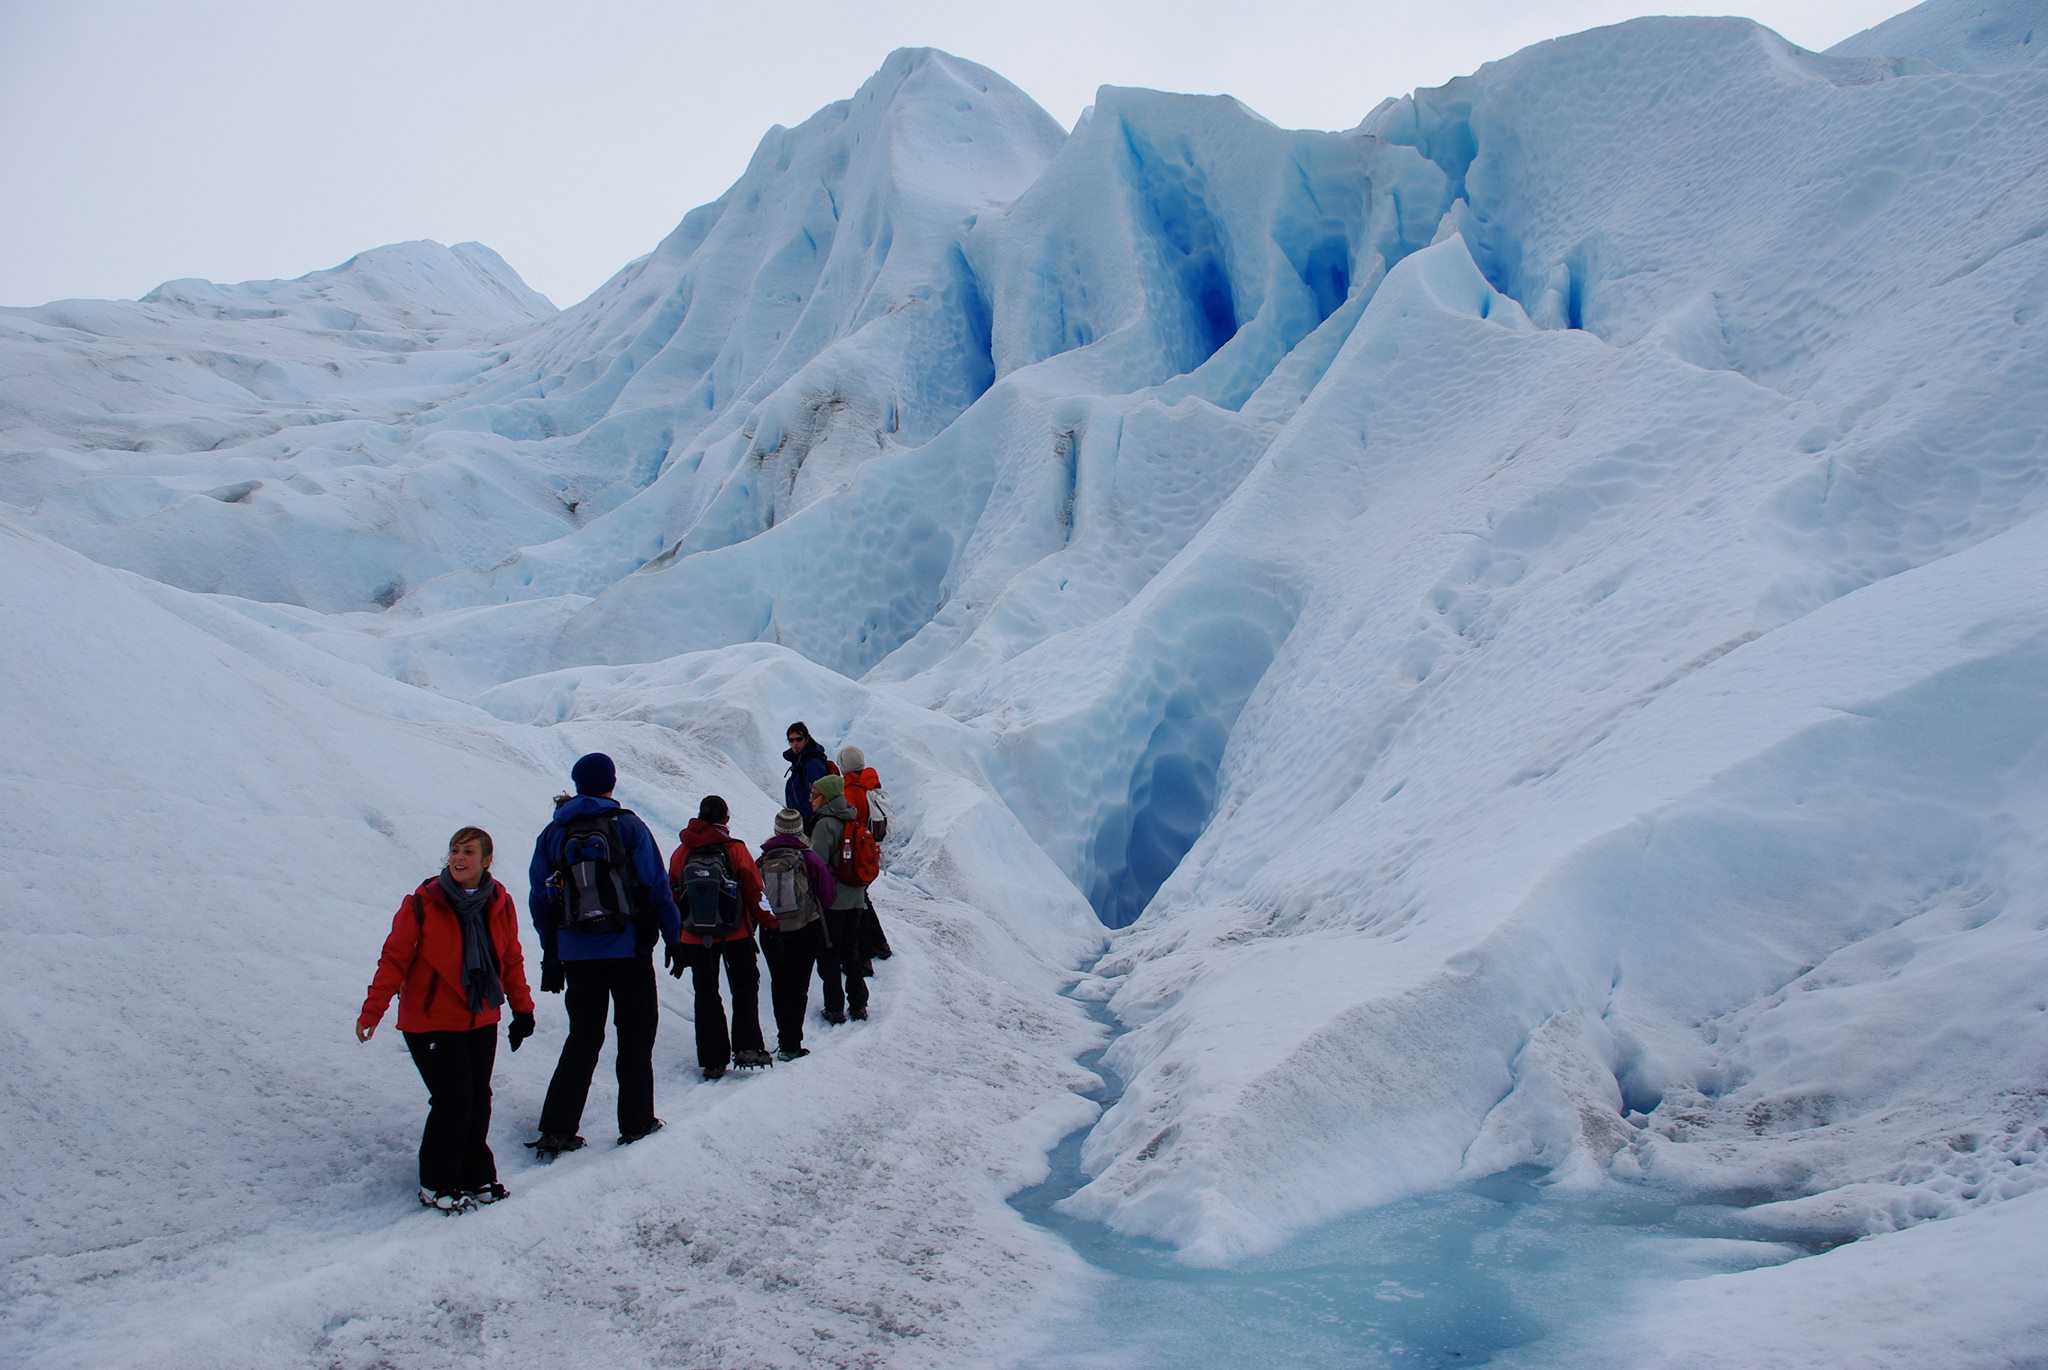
823,885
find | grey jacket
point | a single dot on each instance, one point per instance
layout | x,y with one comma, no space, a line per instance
832,821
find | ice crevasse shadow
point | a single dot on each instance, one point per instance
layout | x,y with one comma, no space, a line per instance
1504,1270
1206,658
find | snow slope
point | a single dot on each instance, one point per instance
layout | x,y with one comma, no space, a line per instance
264,439
1958,35
1530,616
201,1132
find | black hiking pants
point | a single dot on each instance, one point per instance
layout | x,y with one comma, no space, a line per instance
626,985
874,943
839,962
715,1046
455,1149
791,957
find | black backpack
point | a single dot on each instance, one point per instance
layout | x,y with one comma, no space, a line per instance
598,889
708,894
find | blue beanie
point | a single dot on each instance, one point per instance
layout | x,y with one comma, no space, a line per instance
595,774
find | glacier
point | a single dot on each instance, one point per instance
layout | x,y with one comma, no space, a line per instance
1467,699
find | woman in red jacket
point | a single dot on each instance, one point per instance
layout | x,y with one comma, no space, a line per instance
861,783
716,1047
452,958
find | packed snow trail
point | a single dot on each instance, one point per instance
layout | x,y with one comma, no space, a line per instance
241,1171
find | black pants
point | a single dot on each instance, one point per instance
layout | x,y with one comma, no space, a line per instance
874,943
839,962
714,1045
626,984
455,1150
791,957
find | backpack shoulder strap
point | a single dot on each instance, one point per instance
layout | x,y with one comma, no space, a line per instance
419,916
612,843
563,827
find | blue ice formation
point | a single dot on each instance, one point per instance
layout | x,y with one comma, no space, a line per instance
1526,609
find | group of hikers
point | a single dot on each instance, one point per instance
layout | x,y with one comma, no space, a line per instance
600,896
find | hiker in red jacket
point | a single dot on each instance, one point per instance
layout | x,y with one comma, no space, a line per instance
720,914
452,958
861,782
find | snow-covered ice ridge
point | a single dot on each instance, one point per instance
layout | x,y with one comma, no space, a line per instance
1531,614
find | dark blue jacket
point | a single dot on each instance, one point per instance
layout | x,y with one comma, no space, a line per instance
570,945
804,771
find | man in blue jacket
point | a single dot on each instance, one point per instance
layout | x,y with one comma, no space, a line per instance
604,967
807,762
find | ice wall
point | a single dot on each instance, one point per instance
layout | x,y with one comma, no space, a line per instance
1651,414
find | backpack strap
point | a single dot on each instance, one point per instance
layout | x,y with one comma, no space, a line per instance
419,917
640,916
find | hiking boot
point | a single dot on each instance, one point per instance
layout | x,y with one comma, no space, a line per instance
832,1016
748,1060
447,1201
489,1194
860,1015
549,1145
714,1072
628,1138
791,1053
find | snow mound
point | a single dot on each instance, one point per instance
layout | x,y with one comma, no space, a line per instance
405,287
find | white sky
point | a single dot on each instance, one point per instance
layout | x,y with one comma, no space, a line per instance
144,140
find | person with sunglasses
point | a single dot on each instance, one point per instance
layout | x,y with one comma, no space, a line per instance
808,764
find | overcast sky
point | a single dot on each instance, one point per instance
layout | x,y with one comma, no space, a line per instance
144,140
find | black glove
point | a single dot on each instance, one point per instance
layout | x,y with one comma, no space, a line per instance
677,962
550,976
521,1029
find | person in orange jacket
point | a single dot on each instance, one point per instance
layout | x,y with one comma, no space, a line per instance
716,1047
452,958
861,781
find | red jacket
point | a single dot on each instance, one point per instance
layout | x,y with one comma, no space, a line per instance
702,833
858,783
422,965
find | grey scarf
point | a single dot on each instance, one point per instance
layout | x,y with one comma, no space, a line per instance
479,958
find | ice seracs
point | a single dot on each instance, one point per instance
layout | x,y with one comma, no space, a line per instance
1529,610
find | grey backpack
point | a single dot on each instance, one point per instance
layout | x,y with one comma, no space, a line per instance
787,884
